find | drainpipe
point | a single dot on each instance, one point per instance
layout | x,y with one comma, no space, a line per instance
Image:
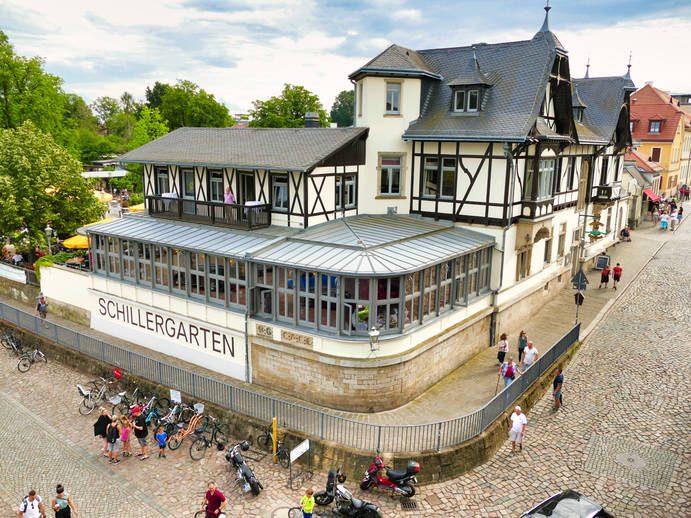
247,346
508,153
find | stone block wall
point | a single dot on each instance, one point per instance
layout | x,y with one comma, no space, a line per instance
366,385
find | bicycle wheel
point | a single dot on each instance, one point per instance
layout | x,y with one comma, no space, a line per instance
186,414
283,458
265,442
86,406
254,484
24,364
294,512
201,424
171,429
176,441
222,434
198,448
162,405
5,341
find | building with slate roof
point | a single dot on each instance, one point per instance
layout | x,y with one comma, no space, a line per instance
384,255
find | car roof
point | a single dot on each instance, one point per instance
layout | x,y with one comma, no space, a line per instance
566,504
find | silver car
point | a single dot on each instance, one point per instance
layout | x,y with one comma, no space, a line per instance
568,504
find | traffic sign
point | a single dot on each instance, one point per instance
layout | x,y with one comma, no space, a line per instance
579,298
580,281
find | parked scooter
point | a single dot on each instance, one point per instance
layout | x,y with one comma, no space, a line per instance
398,481
245,475
346,504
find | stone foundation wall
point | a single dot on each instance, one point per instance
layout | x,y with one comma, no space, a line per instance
372,384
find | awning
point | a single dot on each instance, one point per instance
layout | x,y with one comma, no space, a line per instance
651,195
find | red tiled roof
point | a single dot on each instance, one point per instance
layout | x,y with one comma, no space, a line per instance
650,104
642,161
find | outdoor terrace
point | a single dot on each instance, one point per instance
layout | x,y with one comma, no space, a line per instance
251,216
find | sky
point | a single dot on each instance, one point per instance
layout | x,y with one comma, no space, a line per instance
243,50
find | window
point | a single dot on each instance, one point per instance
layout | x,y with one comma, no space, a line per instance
448,177
113,256
473,100
99,244
279,192
459,101
430,186
178,268
557,175
523,264
161,267
655,154
578,114
345,192
387,303
472,274
307,297
544,179
571,171
390,176
328,300
144,263
215,185
393,98
411,308
264,281
654,126
216,275
562,240
162,181
461,286
445,281
187,176
485,270
237,283
128,253
547,258
603,171
616,168
197,275
430,285
356,305
286,294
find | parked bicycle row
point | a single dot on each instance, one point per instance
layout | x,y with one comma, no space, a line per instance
27,354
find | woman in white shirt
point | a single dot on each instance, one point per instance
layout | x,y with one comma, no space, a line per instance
503,348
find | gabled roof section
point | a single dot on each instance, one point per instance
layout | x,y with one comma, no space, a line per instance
604,98
651,104
288,149
396,61
472,75
642,162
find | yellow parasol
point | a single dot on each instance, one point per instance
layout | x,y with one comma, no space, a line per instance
138,208
103,196
76,242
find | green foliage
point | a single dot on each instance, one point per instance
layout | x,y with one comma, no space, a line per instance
136,198
150,126
59,258
154,96
343,108
132,181
40,182
288,110
185,104
105,108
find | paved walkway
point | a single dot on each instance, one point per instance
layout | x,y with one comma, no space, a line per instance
621,438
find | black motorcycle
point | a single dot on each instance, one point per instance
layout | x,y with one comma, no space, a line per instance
346,503
245,475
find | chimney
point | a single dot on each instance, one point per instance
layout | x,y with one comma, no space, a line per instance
311,120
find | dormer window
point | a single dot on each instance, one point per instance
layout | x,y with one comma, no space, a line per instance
655,126
466,100
578,114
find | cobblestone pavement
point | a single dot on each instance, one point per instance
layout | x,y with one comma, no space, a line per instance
621,437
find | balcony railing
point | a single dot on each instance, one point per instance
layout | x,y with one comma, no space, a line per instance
247,217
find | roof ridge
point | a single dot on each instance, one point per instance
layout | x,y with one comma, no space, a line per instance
476,46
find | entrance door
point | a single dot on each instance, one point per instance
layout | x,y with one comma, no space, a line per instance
246,188
188,191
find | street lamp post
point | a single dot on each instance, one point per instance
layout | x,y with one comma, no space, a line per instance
49,234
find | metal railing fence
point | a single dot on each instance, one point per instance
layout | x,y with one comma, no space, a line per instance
313,422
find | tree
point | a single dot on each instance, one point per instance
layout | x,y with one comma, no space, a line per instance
106,108
150,126
40,183
27,92
185,104
154,96
343,108
129,107
288,110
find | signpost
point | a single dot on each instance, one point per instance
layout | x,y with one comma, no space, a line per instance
580,283
303,474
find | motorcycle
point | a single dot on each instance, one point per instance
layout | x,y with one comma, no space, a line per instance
245,475
398,481
346,504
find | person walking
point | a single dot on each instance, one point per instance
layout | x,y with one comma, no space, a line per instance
113,434
557,385
213,502
140,432
161,437
531,354
42,308
664,218
522,344
503,348
100,428
32,506
63,504
126,428
508,371
517,432
616,274
307,504
673,220
604,277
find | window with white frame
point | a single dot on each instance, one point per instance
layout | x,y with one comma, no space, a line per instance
356,306
655,126
430,285
99,244
390,176
411,308
430,185
215,185
545,179
237,283
445,282
197,275
279,192
459,101
264,282
113,256
387,303
328,300
144,263
547,258
161,267
473,100
178,268
460,279
216,275
162,180
286,294
307,297
485,257
393,98
128,253
346,195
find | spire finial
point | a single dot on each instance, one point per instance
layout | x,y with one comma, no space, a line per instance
587,68
545,24
628,67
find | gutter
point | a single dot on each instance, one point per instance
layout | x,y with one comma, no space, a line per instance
464,139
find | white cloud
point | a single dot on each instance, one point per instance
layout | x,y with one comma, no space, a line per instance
407,15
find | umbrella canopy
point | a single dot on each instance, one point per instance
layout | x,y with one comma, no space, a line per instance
76,242
138,208
103,196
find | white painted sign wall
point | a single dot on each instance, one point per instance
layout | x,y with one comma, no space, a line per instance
194,341
14,274
299,450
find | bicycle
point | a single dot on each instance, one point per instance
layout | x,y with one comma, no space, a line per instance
266,442
12,343
219,435
30,357
91,397
197,425
155,409
172,420
202,514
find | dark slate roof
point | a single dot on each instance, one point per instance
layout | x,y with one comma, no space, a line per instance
604,98
576,100
396,59
471,75
518,71
291,149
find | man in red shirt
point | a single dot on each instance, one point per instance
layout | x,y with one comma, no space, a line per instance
616,271
214,501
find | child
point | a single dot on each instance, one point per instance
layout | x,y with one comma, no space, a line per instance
161,437
125,437
307,504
